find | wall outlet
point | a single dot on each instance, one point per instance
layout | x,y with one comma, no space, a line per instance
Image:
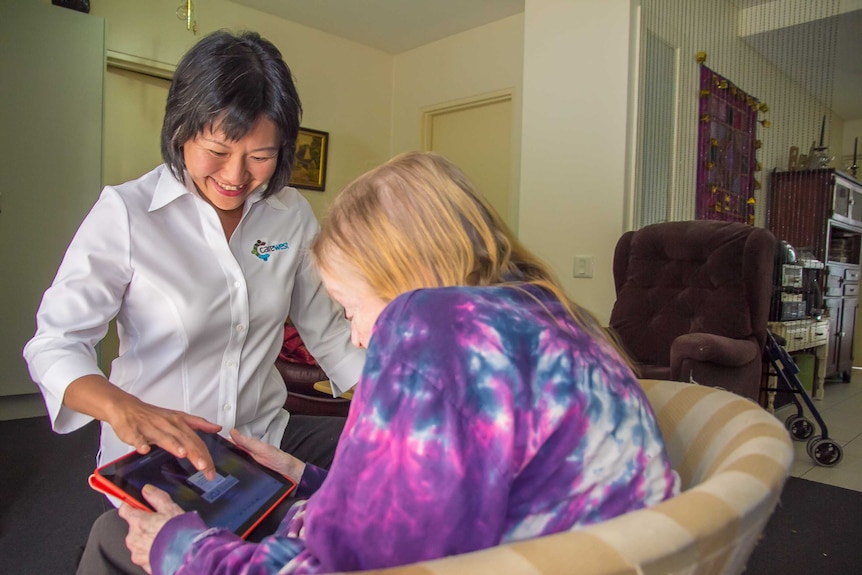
584,266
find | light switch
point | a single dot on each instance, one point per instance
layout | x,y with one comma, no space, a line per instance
584,266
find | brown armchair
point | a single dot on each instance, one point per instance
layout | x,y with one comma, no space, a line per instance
300,372
302,398
693,302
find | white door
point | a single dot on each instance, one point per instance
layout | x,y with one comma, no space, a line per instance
134,111
52,64
477,136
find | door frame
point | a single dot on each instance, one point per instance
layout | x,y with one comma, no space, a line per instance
140,65
478,101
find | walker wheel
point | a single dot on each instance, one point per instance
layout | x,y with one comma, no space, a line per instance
825,452
799,427
810,444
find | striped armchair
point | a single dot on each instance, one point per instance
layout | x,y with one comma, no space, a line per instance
733,458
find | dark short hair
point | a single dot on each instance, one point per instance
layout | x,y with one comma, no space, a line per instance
227,81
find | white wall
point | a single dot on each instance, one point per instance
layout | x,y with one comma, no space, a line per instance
573,154
463,67
852,130
712,26
572,159
51,98
566,62
479,61
346,88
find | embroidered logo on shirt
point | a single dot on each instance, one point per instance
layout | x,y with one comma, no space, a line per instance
262,250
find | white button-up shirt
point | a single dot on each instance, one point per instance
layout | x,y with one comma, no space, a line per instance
200,319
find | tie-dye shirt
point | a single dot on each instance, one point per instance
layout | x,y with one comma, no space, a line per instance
483,415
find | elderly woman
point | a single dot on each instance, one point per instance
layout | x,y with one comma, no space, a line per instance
490,408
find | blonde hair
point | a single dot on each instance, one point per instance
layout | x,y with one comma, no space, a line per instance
417,222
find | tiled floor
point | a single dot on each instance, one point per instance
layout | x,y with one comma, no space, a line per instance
841,411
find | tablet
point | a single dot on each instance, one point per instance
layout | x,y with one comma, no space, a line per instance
241,495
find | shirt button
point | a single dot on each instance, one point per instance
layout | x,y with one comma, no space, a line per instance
231,363
227,407
240,328
237,284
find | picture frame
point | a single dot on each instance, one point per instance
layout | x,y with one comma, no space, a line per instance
309,170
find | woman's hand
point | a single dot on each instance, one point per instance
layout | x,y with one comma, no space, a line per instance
141,424
270,456
145,525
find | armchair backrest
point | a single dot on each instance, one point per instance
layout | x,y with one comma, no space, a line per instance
676,278
733,458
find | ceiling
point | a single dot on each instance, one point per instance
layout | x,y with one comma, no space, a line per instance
390,25
801,48
395,26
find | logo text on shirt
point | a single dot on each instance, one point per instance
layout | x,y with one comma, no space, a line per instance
263,250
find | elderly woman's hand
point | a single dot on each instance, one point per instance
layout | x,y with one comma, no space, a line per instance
145,525
269,456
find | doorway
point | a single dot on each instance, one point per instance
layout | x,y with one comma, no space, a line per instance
476,134
134,110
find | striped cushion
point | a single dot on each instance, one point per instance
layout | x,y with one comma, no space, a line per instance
733,458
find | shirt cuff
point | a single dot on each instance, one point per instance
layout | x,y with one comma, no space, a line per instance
311,480
344,375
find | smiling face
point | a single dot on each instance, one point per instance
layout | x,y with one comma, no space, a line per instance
361,304
226,172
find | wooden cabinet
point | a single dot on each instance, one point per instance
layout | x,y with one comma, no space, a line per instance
842,302
844,337
821,211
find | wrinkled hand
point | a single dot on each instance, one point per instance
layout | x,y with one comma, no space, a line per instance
141,424
270,456
145,525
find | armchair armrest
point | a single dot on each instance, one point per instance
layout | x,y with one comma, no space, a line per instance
718,361
299,374
302,397
710,348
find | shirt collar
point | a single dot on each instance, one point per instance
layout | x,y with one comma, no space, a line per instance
169,189
274,201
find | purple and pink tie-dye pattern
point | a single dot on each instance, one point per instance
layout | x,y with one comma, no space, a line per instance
483,415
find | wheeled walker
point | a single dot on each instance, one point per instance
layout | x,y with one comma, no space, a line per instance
821,449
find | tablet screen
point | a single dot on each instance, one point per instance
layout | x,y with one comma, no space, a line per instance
241,494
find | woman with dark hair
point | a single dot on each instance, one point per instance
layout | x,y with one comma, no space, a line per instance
200,261
232,81
491,408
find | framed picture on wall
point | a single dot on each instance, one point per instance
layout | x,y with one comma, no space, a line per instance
309,170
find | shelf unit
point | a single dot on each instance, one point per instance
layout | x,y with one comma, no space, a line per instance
821,211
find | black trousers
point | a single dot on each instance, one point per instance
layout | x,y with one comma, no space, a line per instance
310,438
